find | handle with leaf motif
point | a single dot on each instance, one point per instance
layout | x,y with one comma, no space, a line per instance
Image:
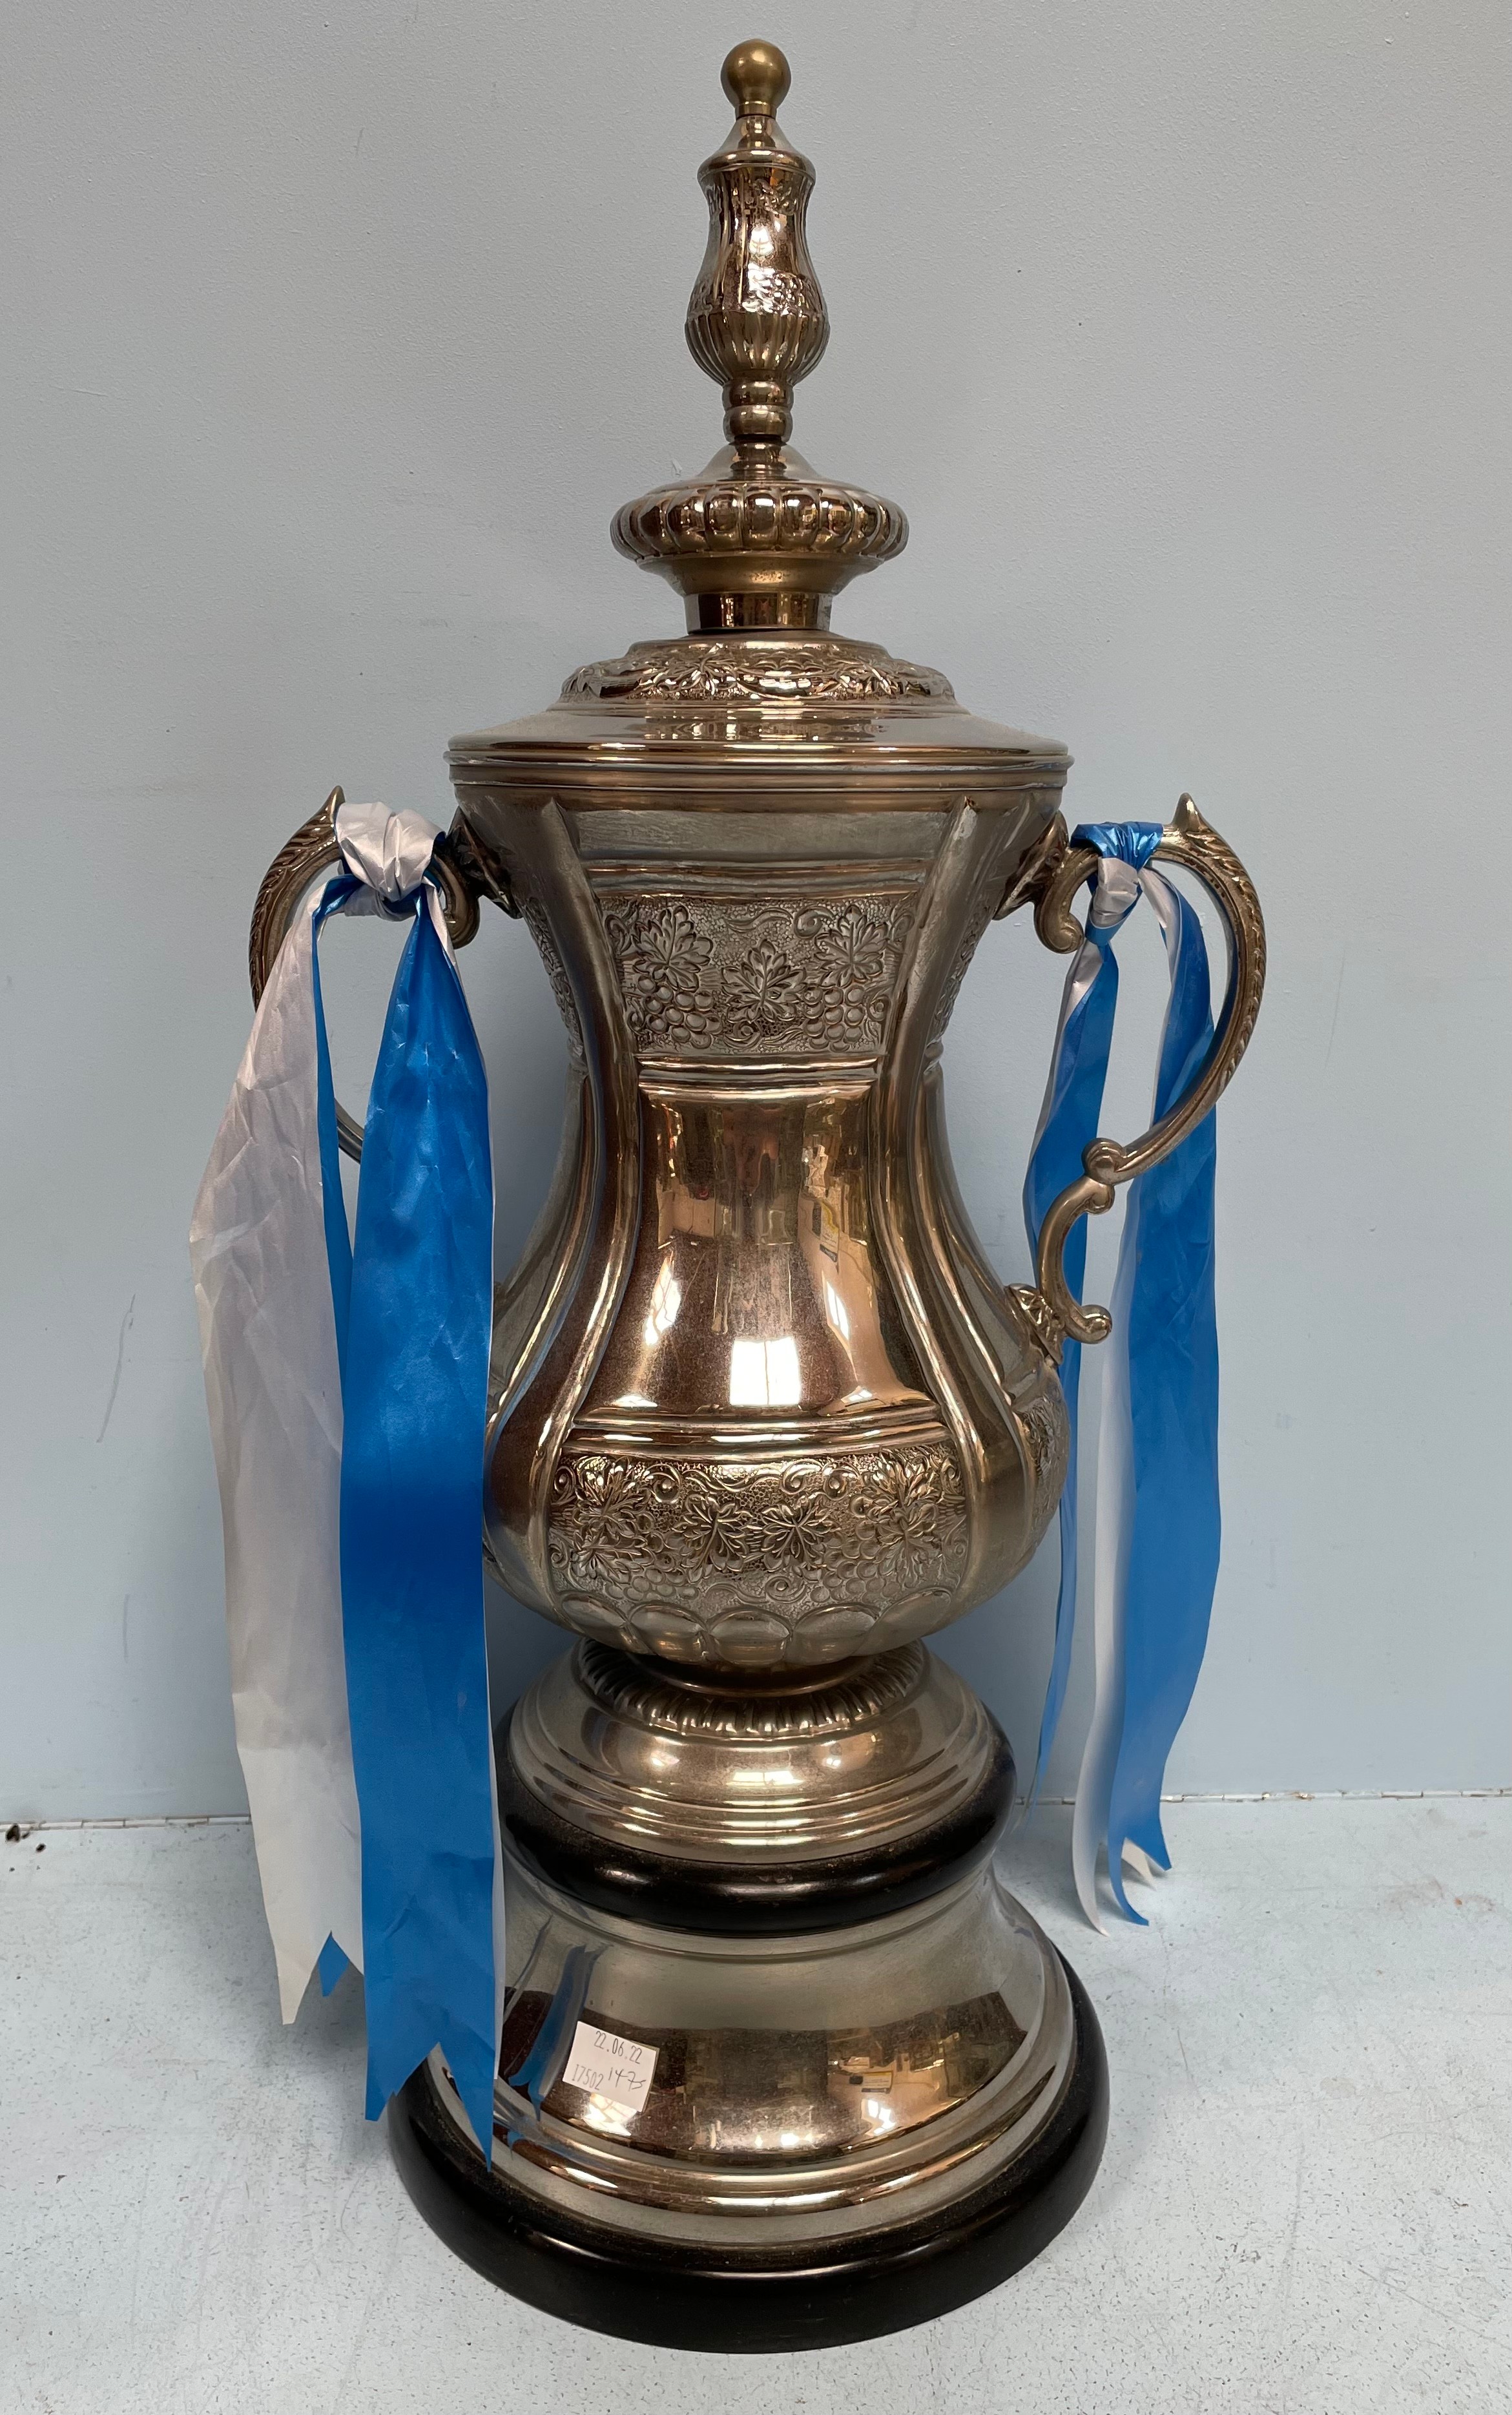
462,871
1049,882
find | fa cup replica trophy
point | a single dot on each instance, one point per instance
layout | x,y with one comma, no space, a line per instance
782,2062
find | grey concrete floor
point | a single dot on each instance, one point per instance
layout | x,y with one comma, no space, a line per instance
1303,2210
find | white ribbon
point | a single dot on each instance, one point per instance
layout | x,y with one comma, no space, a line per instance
273,1385
1118,885
391,852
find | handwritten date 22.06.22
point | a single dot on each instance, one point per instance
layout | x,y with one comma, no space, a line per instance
611,2066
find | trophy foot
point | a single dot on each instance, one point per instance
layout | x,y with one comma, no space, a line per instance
672,2295
784,2065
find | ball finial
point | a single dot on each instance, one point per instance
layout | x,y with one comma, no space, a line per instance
757,78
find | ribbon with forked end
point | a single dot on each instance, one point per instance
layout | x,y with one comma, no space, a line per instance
347,1388
1158,1522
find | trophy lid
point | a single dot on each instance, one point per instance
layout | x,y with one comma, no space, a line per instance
759,543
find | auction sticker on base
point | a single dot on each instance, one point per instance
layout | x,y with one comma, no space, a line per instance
610,2065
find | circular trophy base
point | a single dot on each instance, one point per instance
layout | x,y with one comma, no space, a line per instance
783,2063
752,2303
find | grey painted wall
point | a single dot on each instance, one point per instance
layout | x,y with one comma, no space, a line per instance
333,338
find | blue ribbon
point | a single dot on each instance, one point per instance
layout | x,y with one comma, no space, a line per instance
413,1302
1073,1104
333,1204
1173,1393
1172,1342
543,2066
332,1961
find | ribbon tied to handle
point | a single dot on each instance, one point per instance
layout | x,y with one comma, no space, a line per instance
347,1385
1157,1525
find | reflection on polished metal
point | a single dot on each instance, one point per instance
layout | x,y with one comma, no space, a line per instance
782,1803
877,2088
763,1416
852,2104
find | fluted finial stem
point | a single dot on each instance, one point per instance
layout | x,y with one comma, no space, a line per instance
757,539
757,319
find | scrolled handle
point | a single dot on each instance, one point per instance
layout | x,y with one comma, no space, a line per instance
465,875
1051,880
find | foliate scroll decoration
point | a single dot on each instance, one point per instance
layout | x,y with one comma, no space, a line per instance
981,914
1043,1327
755,1561
291,873
540,931
484,873
1046,1431
688,672
756,320
735,976
1034,875
1191,839
881,1685
1027,885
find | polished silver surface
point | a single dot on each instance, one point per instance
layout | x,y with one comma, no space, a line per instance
814,2085
861,1757
818,2087
759,1398
762,1415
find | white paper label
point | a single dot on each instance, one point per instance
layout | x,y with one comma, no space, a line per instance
610,2065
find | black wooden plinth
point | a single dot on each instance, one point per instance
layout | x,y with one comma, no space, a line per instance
714,2301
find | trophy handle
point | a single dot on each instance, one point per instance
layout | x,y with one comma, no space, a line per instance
1050,880
464,873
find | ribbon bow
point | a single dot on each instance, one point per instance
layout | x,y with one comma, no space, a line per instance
1156,1514
347,1385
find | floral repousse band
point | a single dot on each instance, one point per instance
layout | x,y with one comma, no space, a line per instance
794,1559
738,975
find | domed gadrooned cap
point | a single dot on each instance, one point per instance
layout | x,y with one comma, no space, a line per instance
757,540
